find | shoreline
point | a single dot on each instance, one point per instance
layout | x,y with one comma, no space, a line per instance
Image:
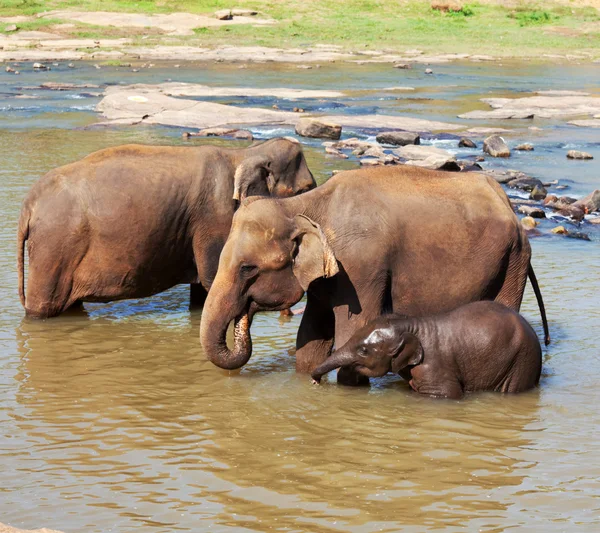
121,50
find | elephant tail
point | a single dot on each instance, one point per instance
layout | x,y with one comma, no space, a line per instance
22,236
540,301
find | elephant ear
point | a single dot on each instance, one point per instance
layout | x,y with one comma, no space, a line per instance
314,257
409,352
253,177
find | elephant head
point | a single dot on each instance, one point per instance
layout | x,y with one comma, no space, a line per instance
273,168
374,350
269,260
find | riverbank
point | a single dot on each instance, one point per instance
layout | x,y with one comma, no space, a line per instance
301,32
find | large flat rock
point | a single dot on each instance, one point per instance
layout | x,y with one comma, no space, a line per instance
172,23
8,529
192,89
537,106
150,104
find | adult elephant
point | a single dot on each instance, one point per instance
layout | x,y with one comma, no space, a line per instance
132,221
389,239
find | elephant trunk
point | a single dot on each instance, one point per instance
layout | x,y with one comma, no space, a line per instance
335,360
213,330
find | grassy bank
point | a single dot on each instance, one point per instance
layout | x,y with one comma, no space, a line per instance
488,27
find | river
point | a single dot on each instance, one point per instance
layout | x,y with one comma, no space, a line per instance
115,422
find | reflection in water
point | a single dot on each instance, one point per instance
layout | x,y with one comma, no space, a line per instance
113,419
129,415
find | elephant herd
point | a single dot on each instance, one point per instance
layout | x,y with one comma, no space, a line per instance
251,225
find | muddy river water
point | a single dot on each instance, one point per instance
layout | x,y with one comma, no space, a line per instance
115,422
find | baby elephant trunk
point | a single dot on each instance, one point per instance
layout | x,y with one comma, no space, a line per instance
336,360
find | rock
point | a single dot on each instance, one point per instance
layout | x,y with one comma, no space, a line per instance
576,154
59,86
309,127
496,146
523,201
575,213
224,14
529,223
559,230
374,151
332,151
10,69
539,193
428,157
404,66
595,220
298,110
428,71
466,143
10,27
241,12
370,162
590,203
525,147
40,66
437,163
525,183
446,5
398,138
533,212
71,65
561,187
243,135
336,171
480,159
468,166
578,235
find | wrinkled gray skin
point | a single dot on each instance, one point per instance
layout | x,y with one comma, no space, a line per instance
481,346
132,221
368,242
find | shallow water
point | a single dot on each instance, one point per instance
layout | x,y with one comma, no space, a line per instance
114,421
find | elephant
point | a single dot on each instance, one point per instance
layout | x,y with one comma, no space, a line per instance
370,241
480,346
134,220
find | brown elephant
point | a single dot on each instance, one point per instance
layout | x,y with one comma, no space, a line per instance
480,346
370,241
132,221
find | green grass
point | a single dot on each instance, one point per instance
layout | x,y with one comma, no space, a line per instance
479,27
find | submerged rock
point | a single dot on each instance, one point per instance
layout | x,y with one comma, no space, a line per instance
309,127
539,192
398,138
577,154
525,183
496,146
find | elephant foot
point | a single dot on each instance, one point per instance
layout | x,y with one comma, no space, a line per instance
351,378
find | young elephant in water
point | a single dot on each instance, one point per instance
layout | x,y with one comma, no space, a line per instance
481,346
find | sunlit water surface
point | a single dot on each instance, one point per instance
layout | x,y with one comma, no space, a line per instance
115,422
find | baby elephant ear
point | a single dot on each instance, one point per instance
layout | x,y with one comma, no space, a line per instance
408,353
314,257
253,177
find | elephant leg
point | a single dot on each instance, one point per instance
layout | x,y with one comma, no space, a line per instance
315,336
198,295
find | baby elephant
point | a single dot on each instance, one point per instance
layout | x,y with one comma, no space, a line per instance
481,346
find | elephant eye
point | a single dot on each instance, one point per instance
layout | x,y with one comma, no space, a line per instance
362,351
248,270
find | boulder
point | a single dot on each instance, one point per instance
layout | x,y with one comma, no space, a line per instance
496,146
575,213
539,192
398,138
374,151
525,147
529,223
435,162
559,230
428,71
525,183
428,157
590,203
224,14
310,127
243,135
576,154
533,212
10,27
241,12
370,162
466,143
404,66
40,66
